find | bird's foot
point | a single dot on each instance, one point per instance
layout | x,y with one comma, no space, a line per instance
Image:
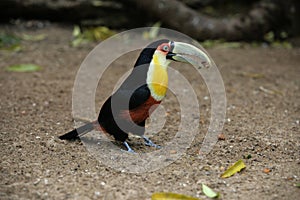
129,149
148,142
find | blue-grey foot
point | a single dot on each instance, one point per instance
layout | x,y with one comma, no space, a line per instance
148,142
129,149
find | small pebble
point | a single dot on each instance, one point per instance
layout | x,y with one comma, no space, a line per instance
36,182
97,193
173,151
221,136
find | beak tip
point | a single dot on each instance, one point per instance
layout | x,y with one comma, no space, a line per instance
187,53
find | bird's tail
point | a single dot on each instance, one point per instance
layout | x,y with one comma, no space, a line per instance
76,133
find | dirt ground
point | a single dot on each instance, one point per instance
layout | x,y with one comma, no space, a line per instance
263,113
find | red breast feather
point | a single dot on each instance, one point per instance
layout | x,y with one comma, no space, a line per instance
142,112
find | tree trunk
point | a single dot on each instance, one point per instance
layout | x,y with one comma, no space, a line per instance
111,13
264,16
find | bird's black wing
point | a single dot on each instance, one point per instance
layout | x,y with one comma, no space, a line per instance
115,111
134,89
131,94
126,99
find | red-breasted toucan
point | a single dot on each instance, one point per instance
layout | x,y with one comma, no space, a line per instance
126,110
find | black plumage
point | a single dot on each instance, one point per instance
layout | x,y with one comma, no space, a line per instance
132,97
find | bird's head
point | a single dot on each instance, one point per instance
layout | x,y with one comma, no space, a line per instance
156,57
165,51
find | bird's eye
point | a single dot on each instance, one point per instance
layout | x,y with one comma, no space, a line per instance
165,48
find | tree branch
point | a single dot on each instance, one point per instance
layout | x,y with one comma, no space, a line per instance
251,26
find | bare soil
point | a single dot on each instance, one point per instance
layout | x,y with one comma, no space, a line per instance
262,128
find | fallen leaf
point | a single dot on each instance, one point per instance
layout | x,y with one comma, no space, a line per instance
236,167
76,31
23,68
270,91
171,196
251,75
298,185
282,44
13,48
10,42
90,35
266,170
38,37
100,33
270,36
78,41
209,192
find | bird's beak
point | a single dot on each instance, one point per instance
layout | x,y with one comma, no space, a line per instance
183,52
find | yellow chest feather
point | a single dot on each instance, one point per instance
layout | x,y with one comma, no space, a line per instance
157,78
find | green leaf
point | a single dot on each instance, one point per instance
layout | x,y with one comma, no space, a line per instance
209,192
171,196
24,68
38,37
10,42
76,31
90,35
13,48
269,37
101,33
78,41
281,44
236,167
298,185
251,75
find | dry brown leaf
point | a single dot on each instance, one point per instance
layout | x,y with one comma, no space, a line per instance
267,170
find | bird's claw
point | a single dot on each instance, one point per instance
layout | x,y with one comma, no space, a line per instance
148,142
152,145
129,149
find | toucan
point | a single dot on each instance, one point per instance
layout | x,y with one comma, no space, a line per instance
127,109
